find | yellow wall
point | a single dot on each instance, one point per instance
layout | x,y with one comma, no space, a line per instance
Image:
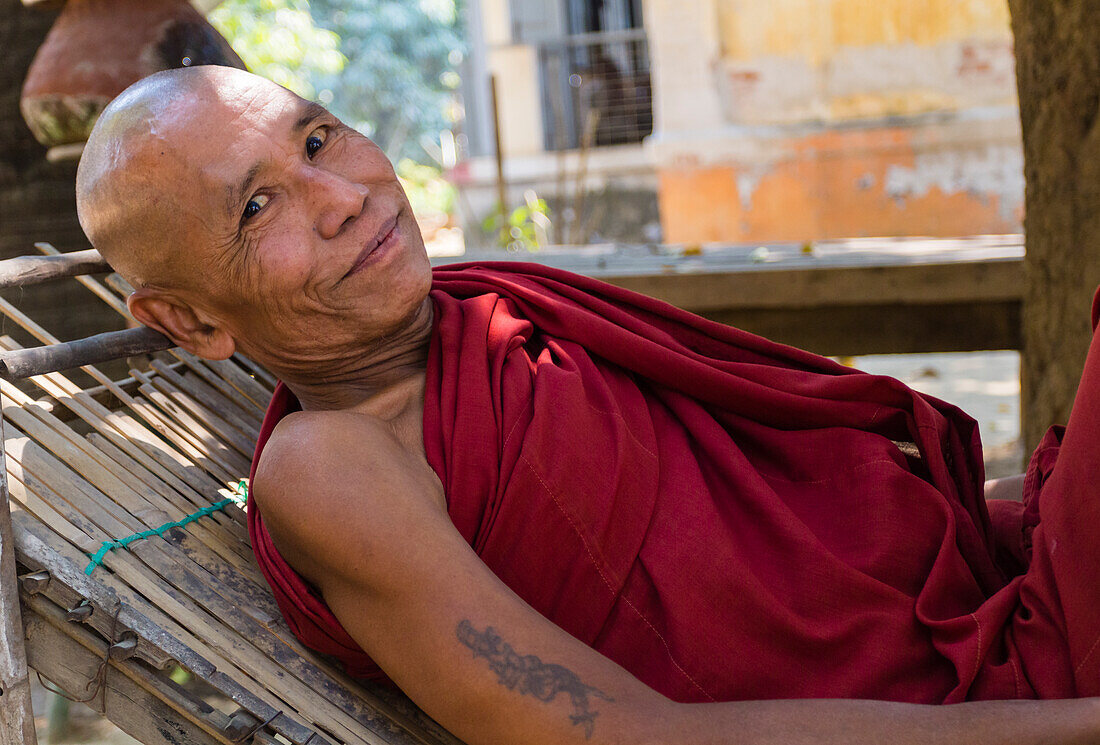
816,29
790,60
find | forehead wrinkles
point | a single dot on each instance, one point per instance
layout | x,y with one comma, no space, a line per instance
255,135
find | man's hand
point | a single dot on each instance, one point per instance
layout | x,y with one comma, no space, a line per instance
364,519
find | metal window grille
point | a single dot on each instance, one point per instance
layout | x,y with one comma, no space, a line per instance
596,89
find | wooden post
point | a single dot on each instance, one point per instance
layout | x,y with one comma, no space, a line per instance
16,717
502,205
1057,59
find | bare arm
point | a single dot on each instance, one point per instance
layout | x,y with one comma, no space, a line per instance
378,542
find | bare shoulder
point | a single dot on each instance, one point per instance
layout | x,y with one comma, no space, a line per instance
335,487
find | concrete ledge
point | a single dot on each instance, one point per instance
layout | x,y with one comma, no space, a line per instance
858,297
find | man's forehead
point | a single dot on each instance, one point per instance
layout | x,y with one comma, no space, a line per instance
236,111
220,142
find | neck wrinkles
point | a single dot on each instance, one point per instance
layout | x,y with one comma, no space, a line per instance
355,380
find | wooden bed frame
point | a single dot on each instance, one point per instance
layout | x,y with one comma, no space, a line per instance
121,457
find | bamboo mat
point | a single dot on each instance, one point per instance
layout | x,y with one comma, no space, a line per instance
102,462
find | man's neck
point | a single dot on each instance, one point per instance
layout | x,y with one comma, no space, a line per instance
380,381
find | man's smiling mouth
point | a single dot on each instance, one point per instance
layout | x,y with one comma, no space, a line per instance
385,238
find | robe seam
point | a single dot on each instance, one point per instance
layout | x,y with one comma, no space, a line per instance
620,594
511,431
978,653
1085,659
1015,677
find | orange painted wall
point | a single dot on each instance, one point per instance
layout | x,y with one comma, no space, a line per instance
828,185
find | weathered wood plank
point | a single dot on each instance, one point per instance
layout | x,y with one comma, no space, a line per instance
884,329
809,287
71,665
881,298
16,716
40,549
188,706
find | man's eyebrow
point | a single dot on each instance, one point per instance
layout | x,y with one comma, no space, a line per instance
312,113
236,194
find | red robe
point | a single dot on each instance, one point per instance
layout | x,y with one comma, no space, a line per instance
729,518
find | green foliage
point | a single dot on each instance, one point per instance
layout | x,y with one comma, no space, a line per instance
429,193
279,40
399,84
385,67
525,227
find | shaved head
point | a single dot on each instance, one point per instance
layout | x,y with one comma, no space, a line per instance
133,162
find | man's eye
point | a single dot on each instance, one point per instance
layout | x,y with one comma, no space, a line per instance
255,204
315,142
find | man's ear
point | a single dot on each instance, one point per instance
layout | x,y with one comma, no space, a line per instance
178,321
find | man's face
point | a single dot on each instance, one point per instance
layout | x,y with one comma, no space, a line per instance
296,235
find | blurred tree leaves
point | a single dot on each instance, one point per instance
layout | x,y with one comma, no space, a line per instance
279,40
399,84
385,67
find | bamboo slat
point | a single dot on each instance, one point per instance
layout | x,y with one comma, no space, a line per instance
42,550
194,387
198,367
163,592
136,439
67,654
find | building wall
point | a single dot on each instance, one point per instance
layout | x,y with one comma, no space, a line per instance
815,119
602,194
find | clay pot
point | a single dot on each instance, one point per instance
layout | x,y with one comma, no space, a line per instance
97,48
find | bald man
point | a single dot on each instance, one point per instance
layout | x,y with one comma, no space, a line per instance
552,511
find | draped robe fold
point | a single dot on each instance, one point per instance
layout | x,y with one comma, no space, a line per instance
729,518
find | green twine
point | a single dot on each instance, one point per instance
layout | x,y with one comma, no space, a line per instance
97,557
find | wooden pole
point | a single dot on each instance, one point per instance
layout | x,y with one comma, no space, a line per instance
502,204
588,137
24,363
31,270
16,716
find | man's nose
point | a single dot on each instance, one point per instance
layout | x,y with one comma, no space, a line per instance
338,201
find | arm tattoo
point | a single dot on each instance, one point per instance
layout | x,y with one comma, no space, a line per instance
530,675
